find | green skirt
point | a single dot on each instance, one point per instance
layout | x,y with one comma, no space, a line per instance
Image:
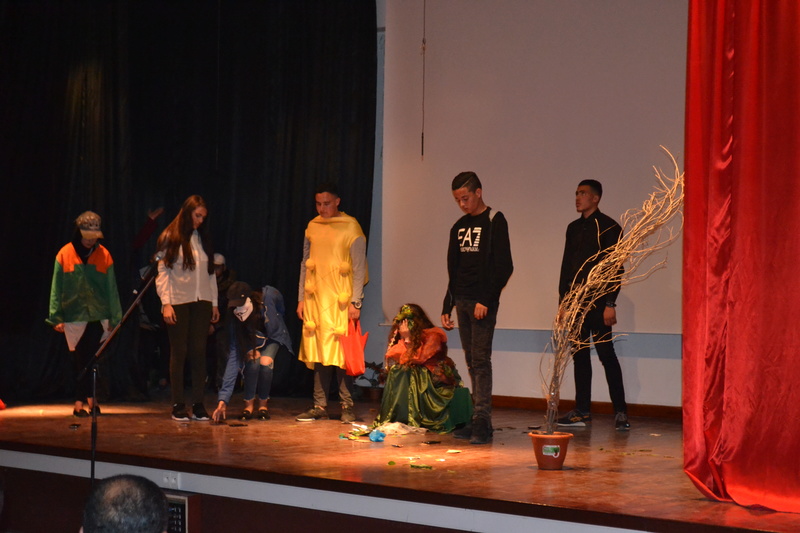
411,397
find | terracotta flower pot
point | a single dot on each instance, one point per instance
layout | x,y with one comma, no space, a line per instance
550,449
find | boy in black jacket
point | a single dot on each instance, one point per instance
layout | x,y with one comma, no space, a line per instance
591,233
479,265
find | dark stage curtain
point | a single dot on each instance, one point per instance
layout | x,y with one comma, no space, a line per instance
740,285
121,107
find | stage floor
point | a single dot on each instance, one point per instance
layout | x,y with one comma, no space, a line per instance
619,479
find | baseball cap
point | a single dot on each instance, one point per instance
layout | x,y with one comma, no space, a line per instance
89,224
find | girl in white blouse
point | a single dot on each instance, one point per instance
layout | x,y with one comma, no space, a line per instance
188,290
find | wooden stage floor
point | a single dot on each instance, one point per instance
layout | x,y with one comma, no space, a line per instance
629,480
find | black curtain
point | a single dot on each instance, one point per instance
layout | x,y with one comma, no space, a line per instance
121,107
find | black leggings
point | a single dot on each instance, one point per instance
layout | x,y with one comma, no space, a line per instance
82,356
187,340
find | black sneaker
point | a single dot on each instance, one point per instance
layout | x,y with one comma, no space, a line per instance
95,410
574,418
621,422
348,416
263,414
80,413
199,412
481,432
463,432
179,412
315,413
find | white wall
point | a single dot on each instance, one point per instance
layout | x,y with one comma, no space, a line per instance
533,95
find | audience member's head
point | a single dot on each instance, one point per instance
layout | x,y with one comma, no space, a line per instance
125,504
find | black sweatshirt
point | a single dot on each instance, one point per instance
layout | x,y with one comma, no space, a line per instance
478,259
586,237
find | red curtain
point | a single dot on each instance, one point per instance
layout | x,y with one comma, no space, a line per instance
741,286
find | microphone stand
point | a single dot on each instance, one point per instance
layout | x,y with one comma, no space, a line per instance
148,278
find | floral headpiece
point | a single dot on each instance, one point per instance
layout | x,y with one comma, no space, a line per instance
406,313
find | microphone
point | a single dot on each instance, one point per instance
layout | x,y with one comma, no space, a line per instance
158,256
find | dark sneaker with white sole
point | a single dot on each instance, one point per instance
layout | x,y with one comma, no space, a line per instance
574,418
621,422
315,413
348,416
199,412
481,431
179,412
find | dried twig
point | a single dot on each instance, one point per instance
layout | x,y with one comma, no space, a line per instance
644,233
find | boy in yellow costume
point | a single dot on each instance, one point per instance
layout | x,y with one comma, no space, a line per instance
332,278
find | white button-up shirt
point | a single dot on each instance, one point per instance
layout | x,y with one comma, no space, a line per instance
177,286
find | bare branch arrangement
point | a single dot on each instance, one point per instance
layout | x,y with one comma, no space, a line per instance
644,233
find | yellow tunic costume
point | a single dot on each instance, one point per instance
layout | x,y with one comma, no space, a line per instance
328,288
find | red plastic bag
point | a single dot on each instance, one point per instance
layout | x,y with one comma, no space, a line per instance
353,345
